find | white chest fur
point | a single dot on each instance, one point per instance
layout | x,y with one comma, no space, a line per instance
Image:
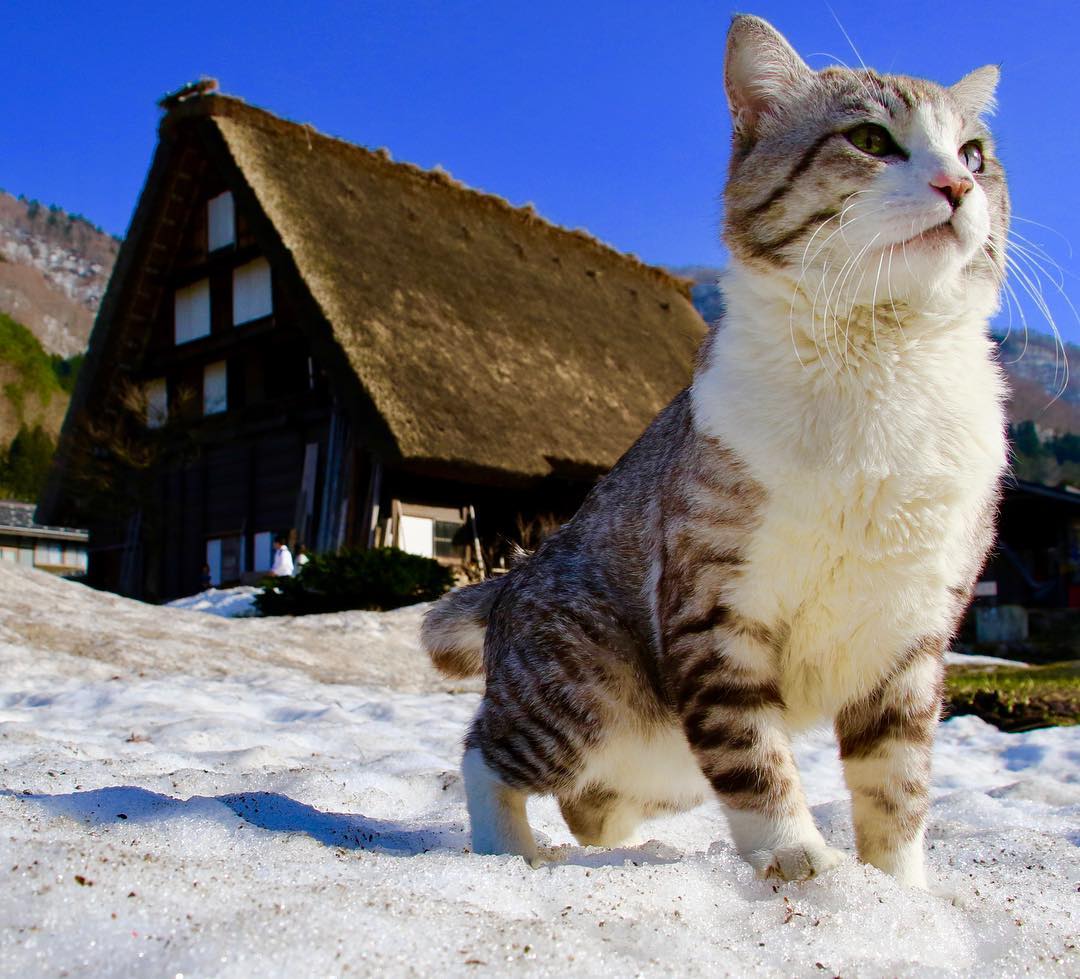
879,465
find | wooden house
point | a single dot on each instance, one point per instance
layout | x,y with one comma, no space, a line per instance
303,336
58,550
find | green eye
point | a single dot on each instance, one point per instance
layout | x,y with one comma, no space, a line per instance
873,139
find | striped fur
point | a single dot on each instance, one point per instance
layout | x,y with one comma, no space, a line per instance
795,536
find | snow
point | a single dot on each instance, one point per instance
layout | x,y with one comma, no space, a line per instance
189,794
974,659
230,603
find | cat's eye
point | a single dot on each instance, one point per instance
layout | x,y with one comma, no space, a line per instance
971,155
873,139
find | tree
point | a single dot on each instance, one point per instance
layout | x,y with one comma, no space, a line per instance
1026,440
26,466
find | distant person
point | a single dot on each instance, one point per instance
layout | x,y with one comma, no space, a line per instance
206,580
282,566
301,559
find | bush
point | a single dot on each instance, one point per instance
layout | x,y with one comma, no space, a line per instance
378,579
25,468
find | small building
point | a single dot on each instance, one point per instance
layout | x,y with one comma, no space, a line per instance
59,550
1036,558
301,335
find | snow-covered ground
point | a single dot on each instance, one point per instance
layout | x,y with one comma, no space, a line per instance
229,603
189,794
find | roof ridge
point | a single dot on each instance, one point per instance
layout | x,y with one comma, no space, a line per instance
214,103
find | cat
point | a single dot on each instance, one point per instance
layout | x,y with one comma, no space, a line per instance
795,537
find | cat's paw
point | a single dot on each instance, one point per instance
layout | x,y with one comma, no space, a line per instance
798,862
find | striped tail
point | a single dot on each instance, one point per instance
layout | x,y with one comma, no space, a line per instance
453,629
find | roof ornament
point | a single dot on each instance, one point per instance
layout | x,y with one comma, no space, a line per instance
192,90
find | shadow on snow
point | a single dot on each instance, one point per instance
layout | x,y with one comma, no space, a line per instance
128,804
267,810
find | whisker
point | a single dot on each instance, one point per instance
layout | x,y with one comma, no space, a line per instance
1046,227
892,301
1028,275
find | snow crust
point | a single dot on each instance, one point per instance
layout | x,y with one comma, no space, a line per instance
189,794
229,603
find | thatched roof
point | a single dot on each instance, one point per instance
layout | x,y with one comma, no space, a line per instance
483,336
482,333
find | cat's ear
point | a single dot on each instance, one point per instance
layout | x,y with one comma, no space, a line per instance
761,72
975,91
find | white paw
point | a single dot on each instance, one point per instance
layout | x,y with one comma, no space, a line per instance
797,862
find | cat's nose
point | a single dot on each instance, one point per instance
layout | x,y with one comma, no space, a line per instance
952,186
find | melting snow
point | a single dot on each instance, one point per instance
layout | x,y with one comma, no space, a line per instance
189,794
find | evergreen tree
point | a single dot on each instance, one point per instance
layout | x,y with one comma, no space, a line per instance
26,466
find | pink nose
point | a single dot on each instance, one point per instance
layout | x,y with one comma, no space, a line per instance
952,187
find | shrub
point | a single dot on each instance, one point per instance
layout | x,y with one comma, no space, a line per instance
25,468
377,579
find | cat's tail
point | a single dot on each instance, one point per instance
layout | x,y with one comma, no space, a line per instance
453,629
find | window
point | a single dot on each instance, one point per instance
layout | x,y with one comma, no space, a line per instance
448,538
417,535
10,554
215,388
264,551
430,531
193,311
220,222
252,294
225,559
48,555
157,403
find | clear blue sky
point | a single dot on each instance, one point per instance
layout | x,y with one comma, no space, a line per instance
606,115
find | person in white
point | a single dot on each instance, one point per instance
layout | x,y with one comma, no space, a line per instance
282,566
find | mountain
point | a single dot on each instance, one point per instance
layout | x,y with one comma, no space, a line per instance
1034,363
53,270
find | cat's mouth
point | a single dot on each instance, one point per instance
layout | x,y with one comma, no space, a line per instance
938,234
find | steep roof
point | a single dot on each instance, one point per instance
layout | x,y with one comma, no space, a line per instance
18,519
483,336
482,333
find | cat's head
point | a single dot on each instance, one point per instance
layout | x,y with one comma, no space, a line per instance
874,185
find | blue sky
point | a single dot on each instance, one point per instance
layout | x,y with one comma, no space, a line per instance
605,115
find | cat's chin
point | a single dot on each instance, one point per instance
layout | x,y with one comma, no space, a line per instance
938,236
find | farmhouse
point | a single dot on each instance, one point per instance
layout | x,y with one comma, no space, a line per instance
302,336
59,550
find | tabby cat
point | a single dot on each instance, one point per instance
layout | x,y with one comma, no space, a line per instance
796,535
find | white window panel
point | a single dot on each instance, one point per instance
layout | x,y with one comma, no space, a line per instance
213,560
215,388
157,403
220,222
264,551
48,555
252,294
193,311
417,535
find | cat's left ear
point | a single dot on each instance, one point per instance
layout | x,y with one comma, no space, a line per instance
761,72
975,91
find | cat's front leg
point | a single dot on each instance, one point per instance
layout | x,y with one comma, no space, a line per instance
885,743
732,711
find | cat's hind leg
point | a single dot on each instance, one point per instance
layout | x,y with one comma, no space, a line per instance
496,810
599,816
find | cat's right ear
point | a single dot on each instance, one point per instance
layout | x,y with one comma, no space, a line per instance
761,72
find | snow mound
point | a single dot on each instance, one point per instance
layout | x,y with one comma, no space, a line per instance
98,633
229,603
189,794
